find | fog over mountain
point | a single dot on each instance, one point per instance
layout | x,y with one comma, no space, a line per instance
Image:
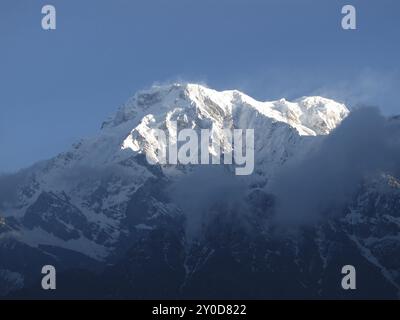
364,144
116,226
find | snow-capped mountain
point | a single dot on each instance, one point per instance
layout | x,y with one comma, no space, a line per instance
103,208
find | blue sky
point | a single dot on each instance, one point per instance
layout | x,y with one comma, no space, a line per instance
58,86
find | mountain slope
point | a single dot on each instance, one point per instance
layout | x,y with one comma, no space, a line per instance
101,207
80,196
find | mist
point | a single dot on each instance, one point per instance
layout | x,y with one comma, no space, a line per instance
322,183
204,188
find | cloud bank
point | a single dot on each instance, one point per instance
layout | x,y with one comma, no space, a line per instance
320,185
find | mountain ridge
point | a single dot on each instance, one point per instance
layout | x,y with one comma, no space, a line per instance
101,204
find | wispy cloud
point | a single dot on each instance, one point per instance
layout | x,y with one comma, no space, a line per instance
322,183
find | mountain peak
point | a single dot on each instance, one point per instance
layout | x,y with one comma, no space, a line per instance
312,115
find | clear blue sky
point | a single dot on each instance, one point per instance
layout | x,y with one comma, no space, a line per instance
58,86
